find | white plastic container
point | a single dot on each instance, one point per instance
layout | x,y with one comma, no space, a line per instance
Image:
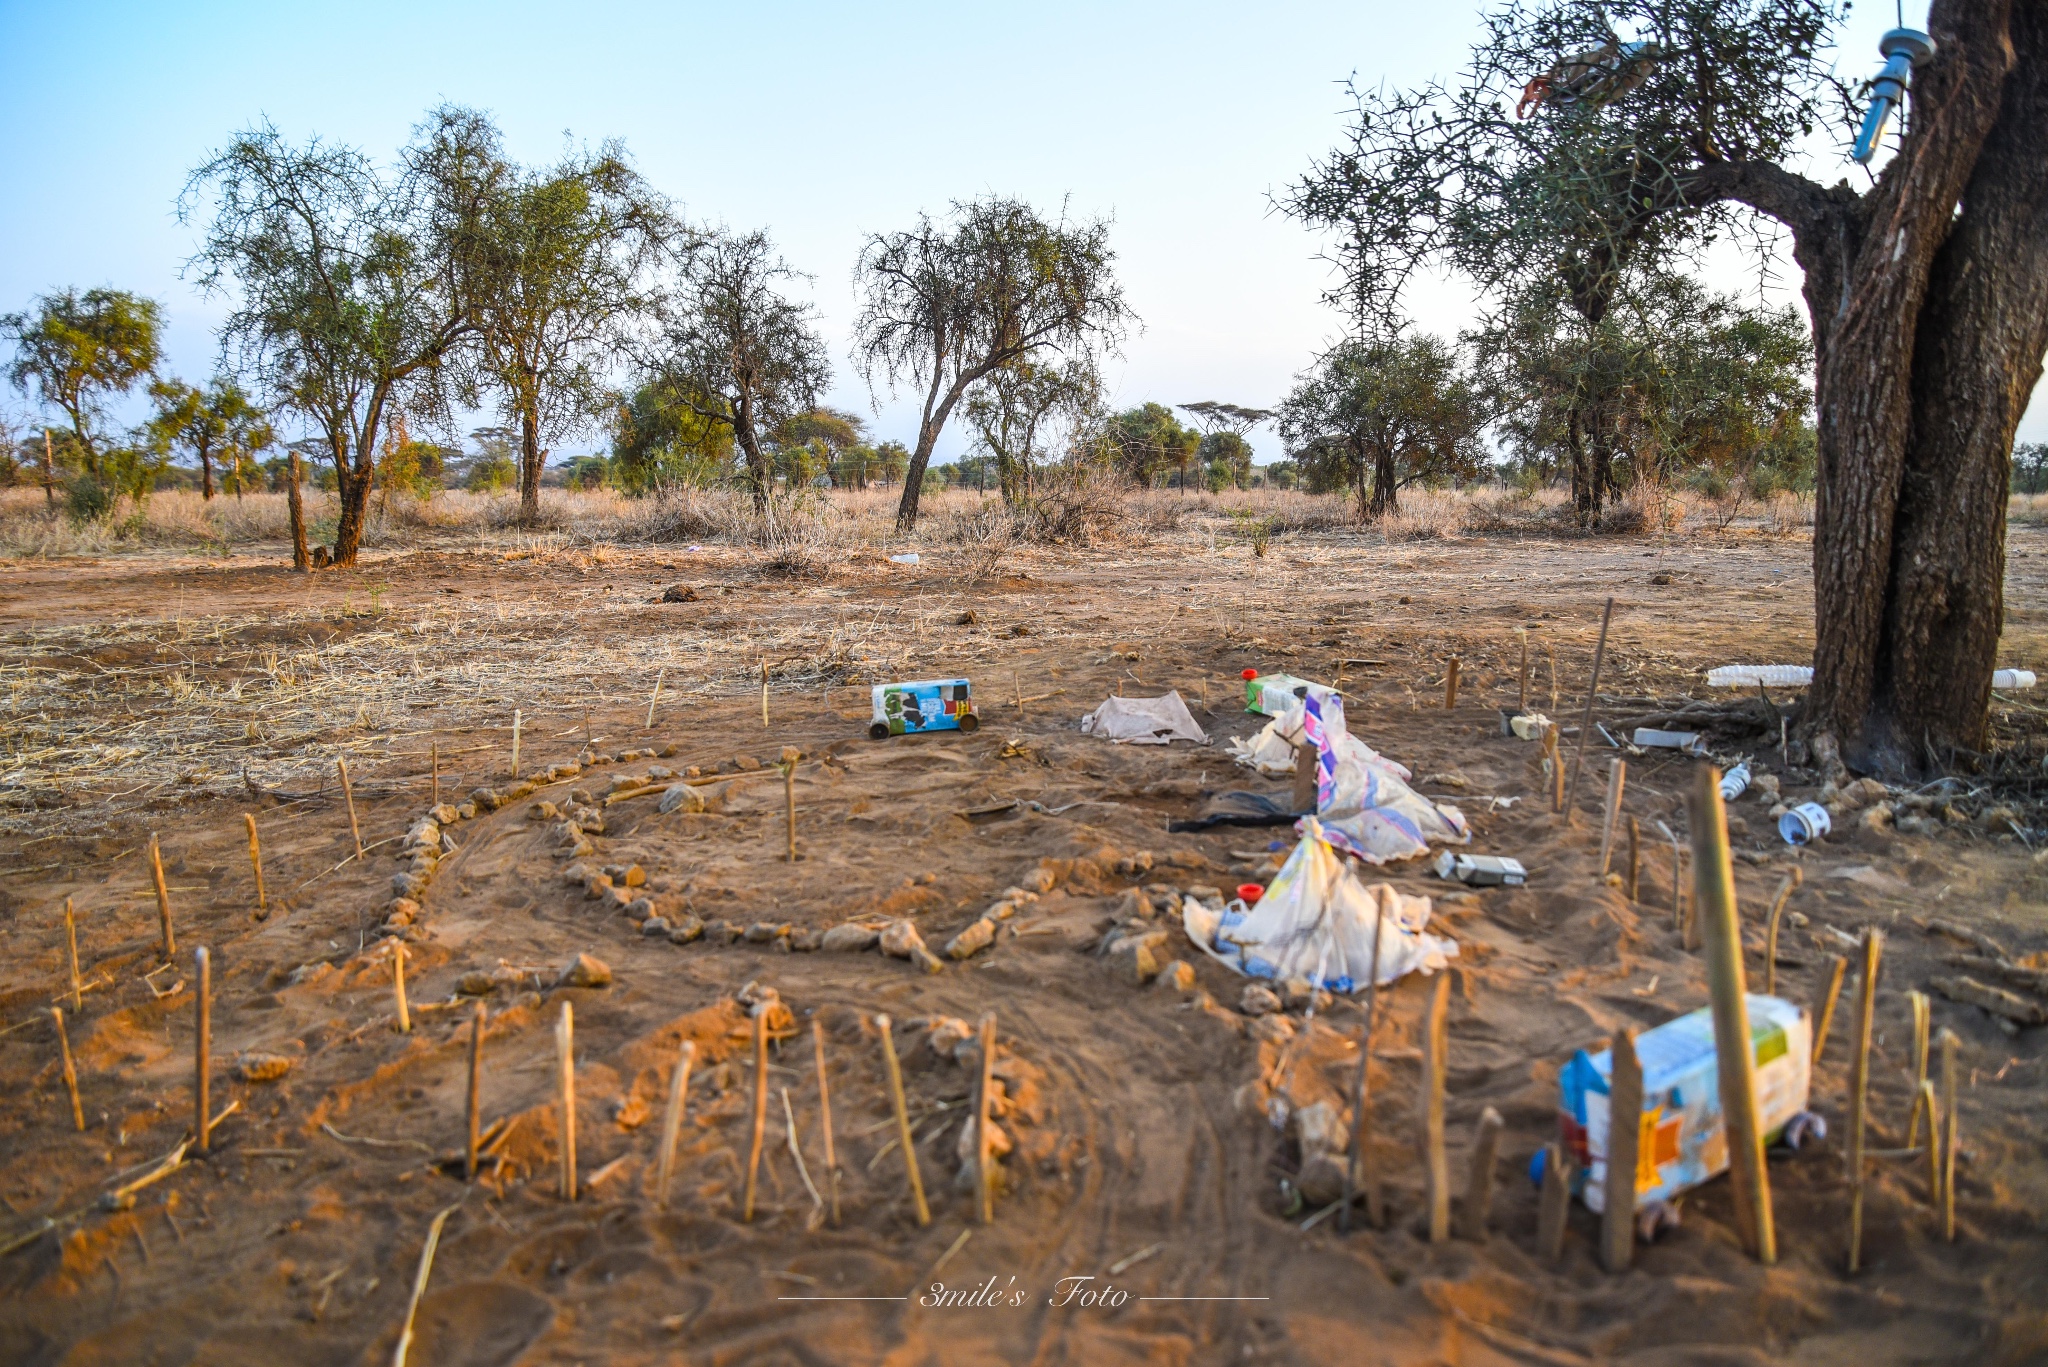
1770,676
1481,870
1735,782
1685,742
1807,822
2012,680
910,559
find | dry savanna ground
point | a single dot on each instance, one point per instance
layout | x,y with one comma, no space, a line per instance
160,689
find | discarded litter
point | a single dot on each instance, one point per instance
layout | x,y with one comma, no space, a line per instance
909,559
1315,923
1144,721
1250,893
1273,694
1735,782
923,705
1684,1137
1238,808
1526,726
1800,676
1481,870
1685,742
1807,822
1363,798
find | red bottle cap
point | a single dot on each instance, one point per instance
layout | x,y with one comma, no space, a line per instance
1250,893
1251,673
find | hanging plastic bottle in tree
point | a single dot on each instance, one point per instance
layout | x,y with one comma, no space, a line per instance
1902,50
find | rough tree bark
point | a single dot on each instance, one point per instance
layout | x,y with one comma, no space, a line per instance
301,560
530,457
1929,300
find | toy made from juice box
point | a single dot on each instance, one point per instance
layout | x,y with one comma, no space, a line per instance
1684,1140
903,709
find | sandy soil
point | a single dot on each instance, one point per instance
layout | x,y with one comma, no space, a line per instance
144,689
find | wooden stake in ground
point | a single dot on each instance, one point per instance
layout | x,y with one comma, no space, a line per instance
1306,779
1714,899
474,1110
825,1119
1792,877
398,987
1824,1016
1624,1140
256,864
760,1109
565,1093
1635,859
924,1215
349,794
984,1191
1017,682
1554,1203
1551,655
1922,1018
655,697
1859,1090
1361,1123
70,1074
789,806
1948,1044
672,1121
419,1284
1522,690
71,942
163,899
1617,776
1451,685
1436,1167
202,1049
764,694
1586,722
434,764
1553,756
1472,1216
1926,1101
517,719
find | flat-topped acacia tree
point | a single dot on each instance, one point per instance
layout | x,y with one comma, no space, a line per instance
946,304
1927,290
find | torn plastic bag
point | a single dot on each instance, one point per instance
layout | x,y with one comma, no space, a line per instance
1315,924
1144,721
1236,808
1270,750
1365,804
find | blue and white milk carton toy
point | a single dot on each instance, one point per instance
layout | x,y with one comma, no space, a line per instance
904,709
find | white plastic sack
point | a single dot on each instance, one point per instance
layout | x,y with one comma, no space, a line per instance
1315,924
1144,721
1271,750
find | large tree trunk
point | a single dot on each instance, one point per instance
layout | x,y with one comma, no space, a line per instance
353,489
1868,265
301,561
1977,356
529,466
206,474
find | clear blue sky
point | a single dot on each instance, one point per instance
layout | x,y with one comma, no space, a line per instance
819,122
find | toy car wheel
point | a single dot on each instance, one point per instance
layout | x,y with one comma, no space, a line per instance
879,731
970,722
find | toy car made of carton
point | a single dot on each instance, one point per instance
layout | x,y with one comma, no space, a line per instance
904,709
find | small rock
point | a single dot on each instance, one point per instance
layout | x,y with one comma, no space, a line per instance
679,593
586,971
900,940
476,984
685,929
1206,894
803,941
403,906
681,797
641,909
746,764
764,932
1271,1029
445,815
596,886
261,1067
577,873
1877,819
1321,1179
1737,826
1178,976
1765,786
426,831
850,938
1320,1129
973,939
926,960
966,619
407,885
654,925
1140,956
1300,996
1000,911
543,811
634,876
1258,1000
1661,577
792,755
659,774
1040,880
945,1034
486,799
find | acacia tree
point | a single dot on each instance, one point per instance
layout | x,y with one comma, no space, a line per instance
215,423
737,352
76,351
1383,413
947,304
1927,292
1013,405
559,272
351,288
1224,443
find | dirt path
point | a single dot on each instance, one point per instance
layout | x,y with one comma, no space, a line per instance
144,691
